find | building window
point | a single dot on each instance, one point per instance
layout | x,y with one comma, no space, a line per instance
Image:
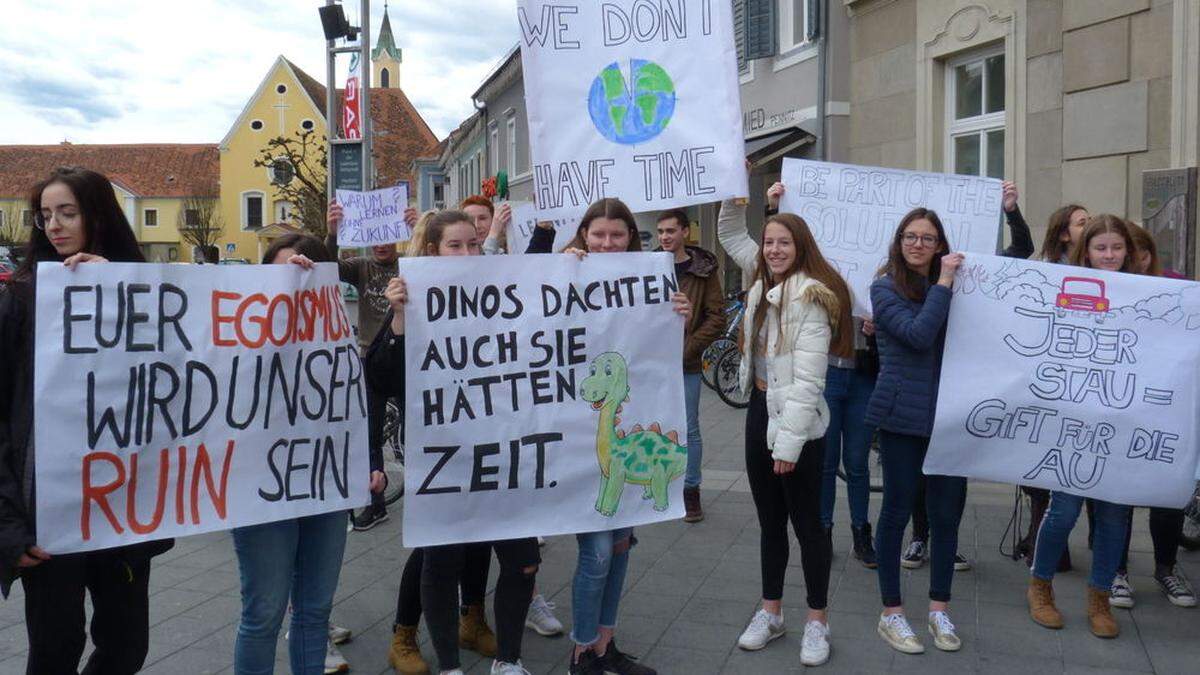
975,93
439,195
307,125
27,217
191,218
281,171
510,130
385,78
793,24
494,149
252,210
256,125
281,89
283,211
150,217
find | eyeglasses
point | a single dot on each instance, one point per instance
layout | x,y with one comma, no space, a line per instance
42,220
911,239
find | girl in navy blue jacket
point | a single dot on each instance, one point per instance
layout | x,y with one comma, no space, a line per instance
911,300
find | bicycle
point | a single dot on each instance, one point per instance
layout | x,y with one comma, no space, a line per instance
393,452
726,377
1191,522
735,310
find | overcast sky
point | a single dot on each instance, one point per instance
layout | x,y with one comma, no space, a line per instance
180,71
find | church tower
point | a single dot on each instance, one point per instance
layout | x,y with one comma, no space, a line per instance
385,57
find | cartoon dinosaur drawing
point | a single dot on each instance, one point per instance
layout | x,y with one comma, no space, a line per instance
645,457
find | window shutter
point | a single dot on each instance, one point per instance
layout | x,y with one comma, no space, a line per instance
812,28
761,29
739,33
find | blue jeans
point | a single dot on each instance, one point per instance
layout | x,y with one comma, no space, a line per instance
945,498
297,559
599,578
1110,525
695,448
847,439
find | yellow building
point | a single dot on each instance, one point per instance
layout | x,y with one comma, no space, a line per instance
158,185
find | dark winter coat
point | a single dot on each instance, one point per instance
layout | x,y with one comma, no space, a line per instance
911,335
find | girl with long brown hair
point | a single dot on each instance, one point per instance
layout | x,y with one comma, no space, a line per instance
797,306
1062,232
1106,244
911,302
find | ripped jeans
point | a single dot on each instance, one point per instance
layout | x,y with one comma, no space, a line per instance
599,578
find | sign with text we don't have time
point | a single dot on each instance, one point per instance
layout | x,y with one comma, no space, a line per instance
174,399
1070,379
853,212
632,99
541,399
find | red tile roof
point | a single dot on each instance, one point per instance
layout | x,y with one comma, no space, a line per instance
147,170
401,134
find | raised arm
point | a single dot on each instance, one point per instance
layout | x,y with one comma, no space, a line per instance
731,232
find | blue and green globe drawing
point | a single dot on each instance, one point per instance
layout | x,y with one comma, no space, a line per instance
636,111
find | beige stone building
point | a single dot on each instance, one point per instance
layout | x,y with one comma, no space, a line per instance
1072,99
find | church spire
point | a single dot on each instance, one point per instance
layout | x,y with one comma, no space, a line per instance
386,44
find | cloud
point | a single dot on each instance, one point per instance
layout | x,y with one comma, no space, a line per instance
153,71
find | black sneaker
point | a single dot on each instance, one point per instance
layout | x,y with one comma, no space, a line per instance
614,661
961,563
864,547
369,517
588,664
915,555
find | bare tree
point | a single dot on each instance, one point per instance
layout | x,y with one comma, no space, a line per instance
13,230
200,225
299,165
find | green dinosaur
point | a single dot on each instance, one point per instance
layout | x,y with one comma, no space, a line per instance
645,457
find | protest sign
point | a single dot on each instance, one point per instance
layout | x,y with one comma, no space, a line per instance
543,399
373,218
1070,379
175,399
853,212
525,218
631,99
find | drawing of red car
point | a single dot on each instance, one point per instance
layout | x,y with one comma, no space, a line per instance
1081,293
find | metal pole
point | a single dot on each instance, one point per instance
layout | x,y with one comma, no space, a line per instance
365,101
330,120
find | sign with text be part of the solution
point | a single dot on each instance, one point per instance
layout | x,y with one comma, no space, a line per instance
631,99
1070,379
853,212
176,399
541,399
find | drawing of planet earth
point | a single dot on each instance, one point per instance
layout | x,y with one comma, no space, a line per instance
632,112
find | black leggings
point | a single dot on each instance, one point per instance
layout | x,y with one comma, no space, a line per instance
54,613
477,561
794,496
1166,529
442,567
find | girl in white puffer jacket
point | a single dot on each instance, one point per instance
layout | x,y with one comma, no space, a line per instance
791,315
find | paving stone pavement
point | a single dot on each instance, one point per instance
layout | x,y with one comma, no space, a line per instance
689,593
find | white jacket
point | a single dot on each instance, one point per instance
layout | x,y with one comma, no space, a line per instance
798,336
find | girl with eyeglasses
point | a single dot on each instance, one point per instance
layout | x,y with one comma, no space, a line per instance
911,302
77,221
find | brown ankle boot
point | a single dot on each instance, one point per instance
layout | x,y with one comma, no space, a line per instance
1104,625
691,504
404,655
474,633
1041,604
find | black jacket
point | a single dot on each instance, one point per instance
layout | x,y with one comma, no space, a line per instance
18,527
541,241
384,366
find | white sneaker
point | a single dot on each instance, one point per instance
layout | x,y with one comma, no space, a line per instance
505,668
944,637
339,635
541,541
541,619
763,628
1121,593
895,631
334,661
814,649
